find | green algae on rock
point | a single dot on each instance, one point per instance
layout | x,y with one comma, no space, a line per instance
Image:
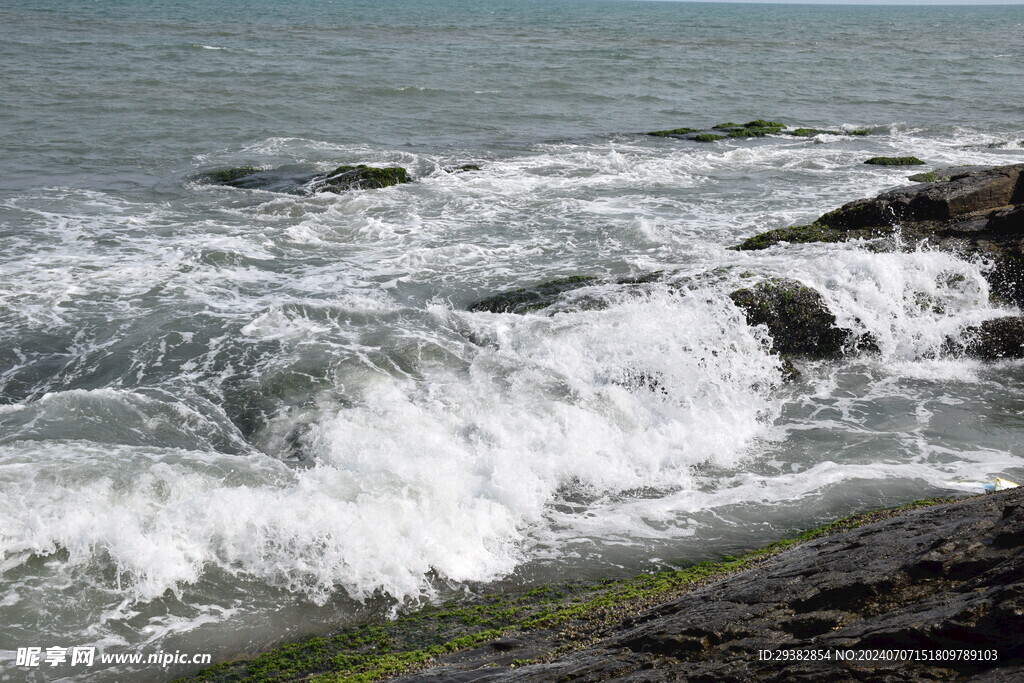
894,161
796,234
709,137
811,132
227,176
673,132
796,316
362,177
751,129
509,629
534,298
928,177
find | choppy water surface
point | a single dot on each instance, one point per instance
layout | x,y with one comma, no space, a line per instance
227,416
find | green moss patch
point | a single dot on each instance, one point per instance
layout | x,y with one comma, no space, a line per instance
365,177
673,132
811,132
708,137
797,234
226,176
894,161
929,177
536,297
569,616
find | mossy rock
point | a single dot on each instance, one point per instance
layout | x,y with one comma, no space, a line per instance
860,131
228,176
796,316
363,177
527,299
811,132
709,137
751,129
894,161
673,132
929,177
754,132
797,234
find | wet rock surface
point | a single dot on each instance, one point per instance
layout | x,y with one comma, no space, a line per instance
945,578
972,211
299,181
757,128
796,317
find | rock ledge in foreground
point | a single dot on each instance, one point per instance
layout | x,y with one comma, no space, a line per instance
938,577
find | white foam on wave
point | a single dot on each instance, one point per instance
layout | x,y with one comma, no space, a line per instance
442,475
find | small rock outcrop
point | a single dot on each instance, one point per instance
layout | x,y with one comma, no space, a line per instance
796,316
758,128
533,298
297,180
361,177
894,161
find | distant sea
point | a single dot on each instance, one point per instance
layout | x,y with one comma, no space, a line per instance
230,417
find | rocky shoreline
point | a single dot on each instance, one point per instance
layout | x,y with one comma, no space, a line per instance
914,583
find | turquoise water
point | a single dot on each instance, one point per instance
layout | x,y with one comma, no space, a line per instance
231,416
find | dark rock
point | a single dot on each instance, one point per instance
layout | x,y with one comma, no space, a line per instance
811,132
996,339
894,161
461,169
298,180
526,299
228,176
674,132
939,578
797,234
361,177
751,129
796,316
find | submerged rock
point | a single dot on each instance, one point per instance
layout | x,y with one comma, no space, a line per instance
674,132
464,168
796,316
894,161
751,129
361,177
534,298
228,176
298,180
811,132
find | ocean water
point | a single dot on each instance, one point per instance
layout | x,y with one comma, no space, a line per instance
229,416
